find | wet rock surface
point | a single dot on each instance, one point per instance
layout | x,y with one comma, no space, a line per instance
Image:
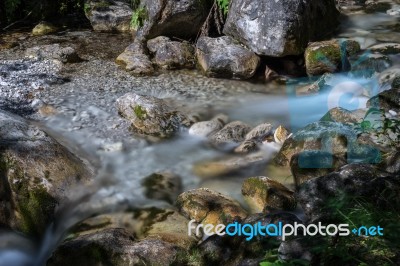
37,174
209,207
326,57
150,115
263,194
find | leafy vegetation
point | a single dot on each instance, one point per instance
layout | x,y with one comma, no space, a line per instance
376,122
223,5
138,17
34,10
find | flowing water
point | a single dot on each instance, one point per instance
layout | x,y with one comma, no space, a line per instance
88,124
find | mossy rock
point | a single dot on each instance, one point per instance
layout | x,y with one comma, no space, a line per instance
263,194
36,174
209,207
44,28
326,57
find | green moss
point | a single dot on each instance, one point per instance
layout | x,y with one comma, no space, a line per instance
139,16
36,207
331,53
140,112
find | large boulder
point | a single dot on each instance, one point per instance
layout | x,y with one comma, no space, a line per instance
182,19
279,28
36,174
223,57
108,15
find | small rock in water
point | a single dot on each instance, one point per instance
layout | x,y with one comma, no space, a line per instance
231,134
53,51
386,48
252,163
247,146
206,128
44,28
260,132
281,134
149,115
326,57
263,194
163,186
223,57
209,207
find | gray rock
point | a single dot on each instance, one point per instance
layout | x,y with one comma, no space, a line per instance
53,51
37,174
109,15
206,128
326,57
279,28
182,19
232,133
260,132
163,186
224,58
247,146
135,60
114,247
149,115
169,54
263,194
